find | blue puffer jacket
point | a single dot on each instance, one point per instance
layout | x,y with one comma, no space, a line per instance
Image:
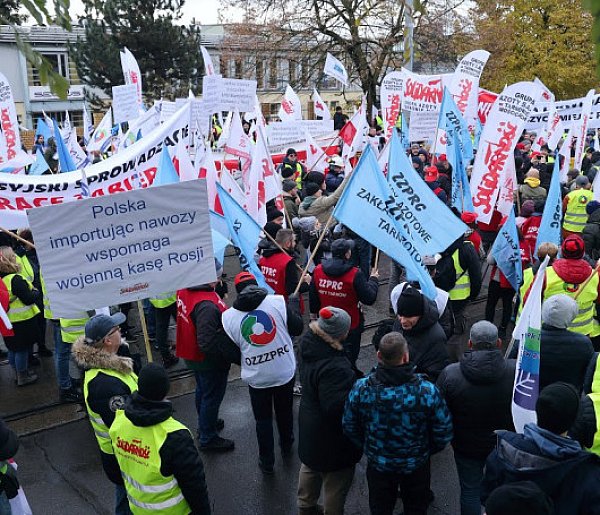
398,417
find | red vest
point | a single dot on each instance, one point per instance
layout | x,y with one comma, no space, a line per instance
273,268
338,292
187,344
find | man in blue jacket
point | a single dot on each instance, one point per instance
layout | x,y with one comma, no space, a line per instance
400,420
545,455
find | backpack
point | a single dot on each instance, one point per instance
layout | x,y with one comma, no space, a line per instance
445,273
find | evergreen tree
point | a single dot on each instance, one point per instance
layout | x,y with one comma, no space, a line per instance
168,54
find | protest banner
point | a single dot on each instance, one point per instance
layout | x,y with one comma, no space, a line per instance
321,109
580,128
8,119
109,250
228,94
167,109
391,100
549,229
135,165
281,133
464,86
132,74
507,252
209,67
498,140
569,111
485,101
102,136
291,107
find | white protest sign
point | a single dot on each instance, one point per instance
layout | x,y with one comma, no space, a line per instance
8,119
131,168
391,100
125,103
109,250
166,110
280,133
228,94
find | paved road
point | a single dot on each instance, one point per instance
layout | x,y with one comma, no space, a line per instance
61,471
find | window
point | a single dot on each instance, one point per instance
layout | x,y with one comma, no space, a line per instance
260,74
76,117
60,64
238,69
292,72
273,74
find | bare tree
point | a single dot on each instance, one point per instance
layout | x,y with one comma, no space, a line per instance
369,36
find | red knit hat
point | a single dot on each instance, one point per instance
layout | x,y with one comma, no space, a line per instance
573,247
468,217
431,174
242,280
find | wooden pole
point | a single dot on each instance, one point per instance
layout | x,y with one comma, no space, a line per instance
376,265
313,253
17,237
145,331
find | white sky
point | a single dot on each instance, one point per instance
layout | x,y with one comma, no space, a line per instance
204,11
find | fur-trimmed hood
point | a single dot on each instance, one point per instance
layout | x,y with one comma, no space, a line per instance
88,357
327,338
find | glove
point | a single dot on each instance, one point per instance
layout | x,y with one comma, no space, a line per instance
9,483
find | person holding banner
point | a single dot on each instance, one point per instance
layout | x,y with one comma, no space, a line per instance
23,313
574,204
165,306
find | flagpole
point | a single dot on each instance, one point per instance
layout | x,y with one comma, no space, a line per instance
145,331
312,255
595,271
324,153
376,265
269,237
17,237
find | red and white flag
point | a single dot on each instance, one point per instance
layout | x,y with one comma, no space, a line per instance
464,86
485,100
580,128
353,132
131,71
499,137
321,108
233,188
315,160
206,169
209,68
291,107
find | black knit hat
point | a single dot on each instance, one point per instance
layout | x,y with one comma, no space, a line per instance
557,407
311,188
316,177
410,303
153,382
519,498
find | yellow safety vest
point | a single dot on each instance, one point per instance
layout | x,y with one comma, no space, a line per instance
164,300
47,311
72,328
595,398
137,450
462,287
586,301
17,310
98,425
575,215
26,268
595,388
527,280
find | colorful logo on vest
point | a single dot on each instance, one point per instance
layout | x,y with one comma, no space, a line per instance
571,288
258,328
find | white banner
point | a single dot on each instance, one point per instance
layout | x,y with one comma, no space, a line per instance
125,103
131,72
8,119
109,250
422,96
570,113
334,68
280,133
209,68
390,94
464,86
228,94
136,165
102,135
498,140
580,128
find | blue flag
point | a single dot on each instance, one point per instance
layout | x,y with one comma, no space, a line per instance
166,173
39,166
220,235
478,131
65,161
404,133
507,252
245,234
424,217
552,217
369,208
451,120
43,129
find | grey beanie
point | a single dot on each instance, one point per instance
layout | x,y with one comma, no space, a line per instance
334,321
483,332
559,311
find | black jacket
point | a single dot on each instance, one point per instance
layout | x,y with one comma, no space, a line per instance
558,465
366,289
212,339
564,356
469,261
586,426
251,297
106,393
591,235
426,341
327,378
478,392
178,454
